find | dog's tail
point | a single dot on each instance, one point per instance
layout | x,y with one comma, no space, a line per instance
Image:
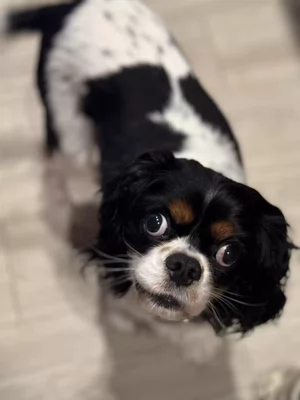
38,19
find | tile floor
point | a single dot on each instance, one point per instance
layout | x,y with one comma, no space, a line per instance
245,53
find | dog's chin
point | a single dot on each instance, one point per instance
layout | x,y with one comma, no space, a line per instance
164,306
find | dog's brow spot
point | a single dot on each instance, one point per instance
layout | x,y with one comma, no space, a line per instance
160,49
131,31
106,52
182,212
108,15
223,230
172,41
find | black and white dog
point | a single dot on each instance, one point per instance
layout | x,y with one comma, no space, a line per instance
179,229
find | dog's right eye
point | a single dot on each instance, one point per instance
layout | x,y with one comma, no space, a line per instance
228,254
156,225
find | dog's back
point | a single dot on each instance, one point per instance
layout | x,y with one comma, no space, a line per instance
112,68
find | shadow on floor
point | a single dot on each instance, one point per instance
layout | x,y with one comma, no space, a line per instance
149,368
292,10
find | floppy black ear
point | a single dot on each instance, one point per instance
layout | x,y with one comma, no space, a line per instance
272,256
120,194
273,242
257,285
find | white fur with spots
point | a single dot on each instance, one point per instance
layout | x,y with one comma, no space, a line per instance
101,37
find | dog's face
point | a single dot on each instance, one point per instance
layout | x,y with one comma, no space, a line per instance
196,242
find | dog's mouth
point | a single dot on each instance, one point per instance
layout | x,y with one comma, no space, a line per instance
166,301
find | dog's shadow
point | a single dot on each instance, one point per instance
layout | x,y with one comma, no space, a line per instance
292,10
146,367
150,368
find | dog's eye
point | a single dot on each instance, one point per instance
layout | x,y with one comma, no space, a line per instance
228,254
156,225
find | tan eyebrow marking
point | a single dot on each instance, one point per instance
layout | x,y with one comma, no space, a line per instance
223,230
182,212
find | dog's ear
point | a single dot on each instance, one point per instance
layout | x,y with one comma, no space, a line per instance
119,196
122,192
273,242
271,256
258,282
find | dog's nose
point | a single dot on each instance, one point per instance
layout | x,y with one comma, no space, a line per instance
183,270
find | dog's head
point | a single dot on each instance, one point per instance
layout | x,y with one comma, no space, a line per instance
189,241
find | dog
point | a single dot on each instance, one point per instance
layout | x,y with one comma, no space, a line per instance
180,233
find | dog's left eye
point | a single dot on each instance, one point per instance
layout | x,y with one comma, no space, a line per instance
156,225
228,254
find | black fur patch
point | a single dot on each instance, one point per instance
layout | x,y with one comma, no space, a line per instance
119,105
130,142
130,94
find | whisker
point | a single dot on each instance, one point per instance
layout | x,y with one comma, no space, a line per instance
113,283
221,297
219,291
117,279
131,248
223,271
225,303
113,262
243,302
224,306
107,256
229,305
125,269
214,311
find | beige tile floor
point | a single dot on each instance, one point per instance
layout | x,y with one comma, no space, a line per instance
244,52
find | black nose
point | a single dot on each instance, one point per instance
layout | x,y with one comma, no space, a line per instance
183,270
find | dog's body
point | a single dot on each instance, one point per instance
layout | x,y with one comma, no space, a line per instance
111,74
92,47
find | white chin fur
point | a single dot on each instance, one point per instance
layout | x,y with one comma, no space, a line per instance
187,311
150,273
